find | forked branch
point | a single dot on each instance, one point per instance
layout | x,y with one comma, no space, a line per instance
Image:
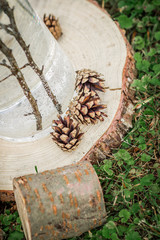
16,71
13,30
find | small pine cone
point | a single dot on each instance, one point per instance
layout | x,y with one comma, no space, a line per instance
88,81
87,109
53,25
66,133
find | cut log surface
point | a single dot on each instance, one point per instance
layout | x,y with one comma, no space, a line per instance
91,39
60,203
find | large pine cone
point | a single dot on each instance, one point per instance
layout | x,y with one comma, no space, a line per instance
53,25
88,81
66,133
87,109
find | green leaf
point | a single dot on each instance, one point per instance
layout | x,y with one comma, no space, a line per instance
122,154
122,229
6,221
108,163
155,81
142,146
147,180
7,211
125,215
152,52
145,157
132,235
156,68
110,225
149,8
18,228
16,236
18,220
157,35
156,2
139,42
105,232
114,236
127,193
125,22
138,57
136,220
155,189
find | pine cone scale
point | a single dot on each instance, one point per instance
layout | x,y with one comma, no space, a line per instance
53,25
66,133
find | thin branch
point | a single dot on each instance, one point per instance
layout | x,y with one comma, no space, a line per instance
6,78
15,32
15,70
27,64
5,27
5,65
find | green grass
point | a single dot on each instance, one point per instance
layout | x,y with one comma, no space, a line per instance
130,176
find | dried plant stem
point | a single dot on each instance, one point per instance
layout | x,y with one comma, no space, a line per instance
15,70
13,30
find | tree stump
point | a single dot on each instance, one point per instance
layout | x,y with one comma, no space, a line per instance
60,203
91,39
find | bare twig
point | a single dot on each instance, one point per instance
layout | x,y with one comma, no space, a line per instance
6,78
6,28
15,70
5,65
15,32
27,64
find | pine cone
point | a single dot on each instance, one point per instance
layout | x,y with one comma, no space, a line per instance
53,25
66,133
88,81
87,109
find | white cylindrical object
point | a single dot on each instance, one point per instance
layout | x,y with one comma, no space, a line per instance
17,121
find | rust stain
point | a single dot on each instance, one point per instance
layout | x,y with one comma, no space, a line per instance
47,191
76,202
78,212
66,179
80,174
77,176
54,209
99,196
91,169
69,225
44,187
41,228
64,223
59,170
36,234
49,227
87,165
29,209
95,221
61,198
53,232
30,179
39,200
86,171
51,197
75,227
71,199
99,208
65,215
